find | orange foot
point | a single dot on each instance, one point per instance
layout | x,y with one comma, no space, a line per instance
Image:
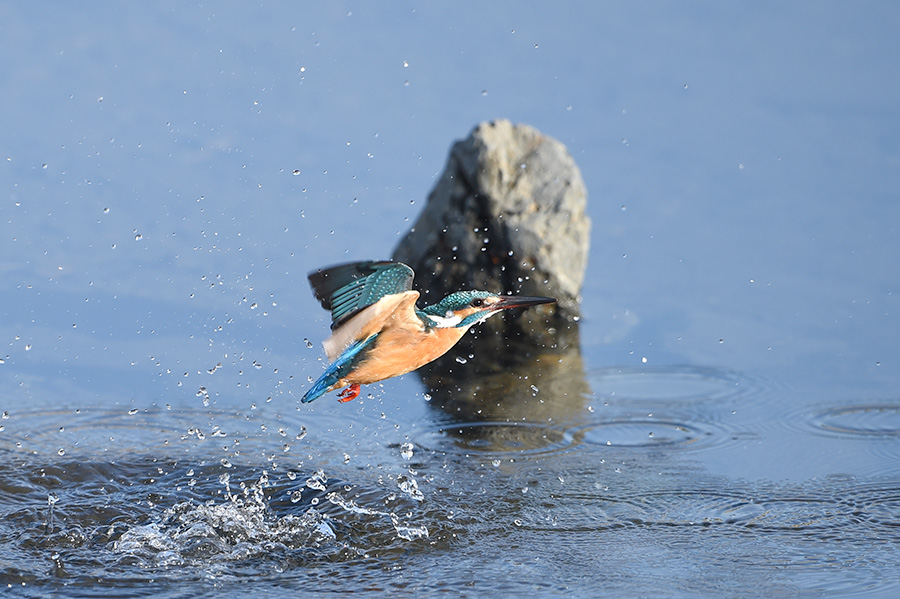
349,394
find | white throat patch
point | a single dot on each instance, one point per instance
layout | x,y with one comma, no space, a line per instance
445,322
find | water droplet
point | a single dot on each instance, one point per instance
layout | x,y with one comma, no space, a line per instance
410,487
61,451
406,450
317,481
296,172
461,360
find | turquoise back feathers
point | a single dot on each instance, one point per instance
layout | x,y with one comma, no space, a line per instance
346,289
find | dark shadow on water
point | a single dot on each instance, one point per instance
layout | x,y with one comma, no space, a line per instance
489,377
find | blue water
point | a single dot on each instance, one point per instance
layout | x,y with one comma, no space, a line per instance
729,425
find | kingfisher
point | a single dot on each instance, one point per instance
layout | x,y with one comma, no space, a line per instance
379,333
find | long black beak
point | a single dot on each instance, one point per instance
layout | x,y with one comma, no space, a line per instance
521,301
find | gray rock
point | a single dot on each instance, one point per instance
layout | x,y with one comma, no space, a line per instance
507,215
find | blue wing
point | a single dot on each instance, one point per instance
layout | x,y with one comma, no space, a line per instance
338,369
346,289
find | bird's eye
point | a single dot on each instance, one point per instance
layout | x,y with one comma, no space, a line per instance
477,303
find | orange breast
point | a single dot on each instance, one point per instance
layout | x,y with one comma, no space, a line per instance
399,350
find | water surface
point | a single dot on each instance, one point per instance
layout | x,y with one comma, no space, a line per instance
728,426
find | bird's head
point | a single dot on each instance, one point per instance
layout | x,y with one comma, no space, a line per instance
466,308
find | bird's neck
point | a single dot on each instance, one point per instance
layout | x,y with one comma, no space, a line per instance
436,321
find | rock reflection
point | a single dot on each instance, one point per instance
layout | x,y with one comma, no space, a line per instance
494,378
496,439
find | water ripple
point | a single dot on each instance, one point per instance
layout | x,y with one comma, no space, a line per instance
674,384
867,420
868,434
498,439
124,432
507,439
877,505
646,433
823,511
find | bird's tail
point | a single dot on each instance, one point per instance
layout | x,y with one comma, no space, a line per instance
337,370
320,387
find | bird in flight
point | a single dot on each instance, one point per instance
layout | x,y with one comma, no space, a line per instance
379,333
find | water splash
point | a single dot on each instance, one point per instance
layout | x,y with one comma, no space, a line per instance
239,528
409,486
249,524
